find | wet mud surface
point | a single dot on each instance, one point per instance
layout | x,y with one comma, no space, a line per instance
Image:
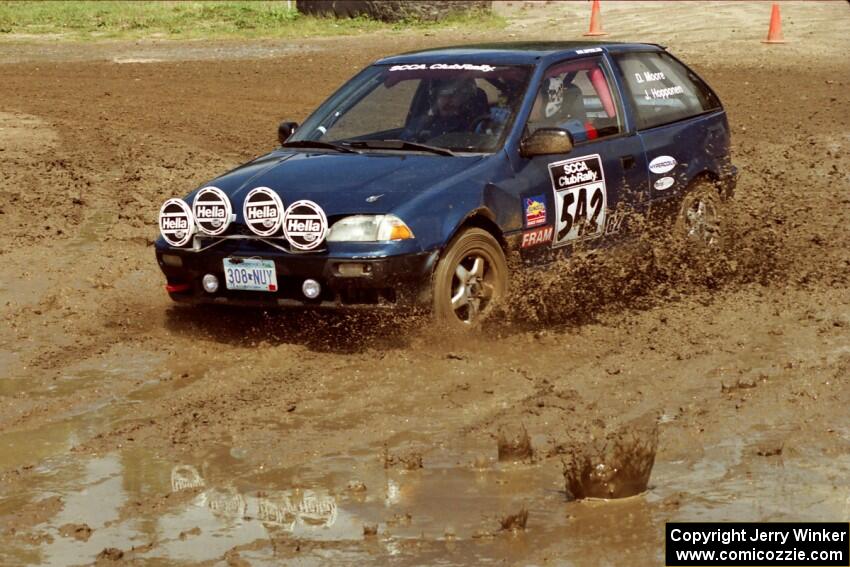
134,431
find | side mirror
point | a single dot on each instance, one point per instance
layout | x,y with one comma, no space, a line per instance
285,130
546,141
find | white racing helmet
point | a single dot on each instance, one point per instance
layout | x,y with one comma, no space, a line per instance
554,96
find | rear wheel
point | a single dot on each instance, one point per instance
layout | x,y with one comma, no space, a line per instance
700,215
470,279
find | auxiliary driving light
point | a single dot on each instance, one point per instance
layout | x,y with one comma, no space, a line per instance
311,289
210,283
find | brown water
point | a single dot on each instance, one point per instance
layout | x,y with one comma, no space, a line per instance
215,501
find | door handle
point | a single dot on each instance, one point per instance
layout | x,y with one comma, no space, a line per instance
628,162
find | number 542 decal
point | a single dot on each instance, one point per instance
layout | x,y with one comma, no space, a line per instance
580,199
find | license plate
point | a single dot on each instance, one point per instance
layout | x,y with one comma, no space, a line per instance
250,274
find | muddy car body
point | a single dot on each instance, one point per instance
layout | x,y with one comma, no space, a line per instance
415,182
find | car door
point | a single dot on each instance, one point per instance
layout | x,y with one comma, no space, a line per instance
679,119
587,195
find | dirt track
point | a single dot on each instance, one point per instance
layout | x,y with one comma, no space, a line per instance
183,425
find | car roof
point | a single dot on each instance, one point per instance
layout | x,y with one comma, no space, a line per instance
511,53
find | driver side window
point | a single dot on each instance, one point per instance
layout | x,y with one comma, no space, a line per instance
579,97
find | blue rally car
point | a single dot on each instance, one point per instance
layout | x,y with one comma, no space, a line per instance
416,181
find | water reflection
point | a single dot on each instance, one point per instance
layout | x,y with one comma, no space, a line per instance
184,477
309,509
281,508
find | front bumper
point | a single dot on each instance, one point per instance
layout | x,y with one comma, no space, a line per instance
385,281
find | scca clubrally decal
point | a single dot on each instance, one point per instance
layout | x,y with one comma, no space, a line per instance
580,199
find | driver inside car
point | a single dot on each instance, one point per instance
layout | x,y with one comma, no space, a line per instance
457,104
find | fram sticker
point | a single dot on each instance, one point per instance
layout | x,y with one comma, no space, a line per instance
537,236
662,164
535,210
580,199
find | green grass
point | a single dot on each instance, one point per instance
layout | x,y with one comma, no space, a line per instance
89,20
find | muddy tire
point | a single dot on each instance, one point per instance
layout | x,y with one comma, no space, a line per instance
470,279
700,215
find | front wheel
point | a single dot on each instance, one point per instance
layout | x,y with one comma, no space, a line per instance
470,279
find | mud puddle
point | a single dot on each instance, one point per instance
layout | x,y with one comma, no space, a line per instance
32,445
339,508
463,506
80,401
91,494
747,478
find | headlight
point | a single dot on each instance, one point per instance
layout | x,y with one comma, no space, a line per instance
369,228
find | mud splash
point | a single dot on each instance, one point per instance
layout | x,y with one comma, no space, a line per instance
656,265
515,446
617,466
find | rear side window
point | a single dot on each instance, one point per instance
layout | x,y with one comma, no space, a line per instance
662,90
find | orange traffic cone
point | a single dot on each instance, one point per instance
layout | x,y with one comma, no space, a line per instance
595,21
774,34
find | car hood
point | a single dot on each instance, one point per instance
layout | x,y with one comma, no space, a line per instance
342,183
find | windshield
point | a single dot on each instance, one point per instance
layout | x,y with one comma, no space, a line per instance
456,107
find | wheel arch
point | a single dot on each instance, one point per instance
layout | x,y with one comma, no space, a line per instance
706,176
484,219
